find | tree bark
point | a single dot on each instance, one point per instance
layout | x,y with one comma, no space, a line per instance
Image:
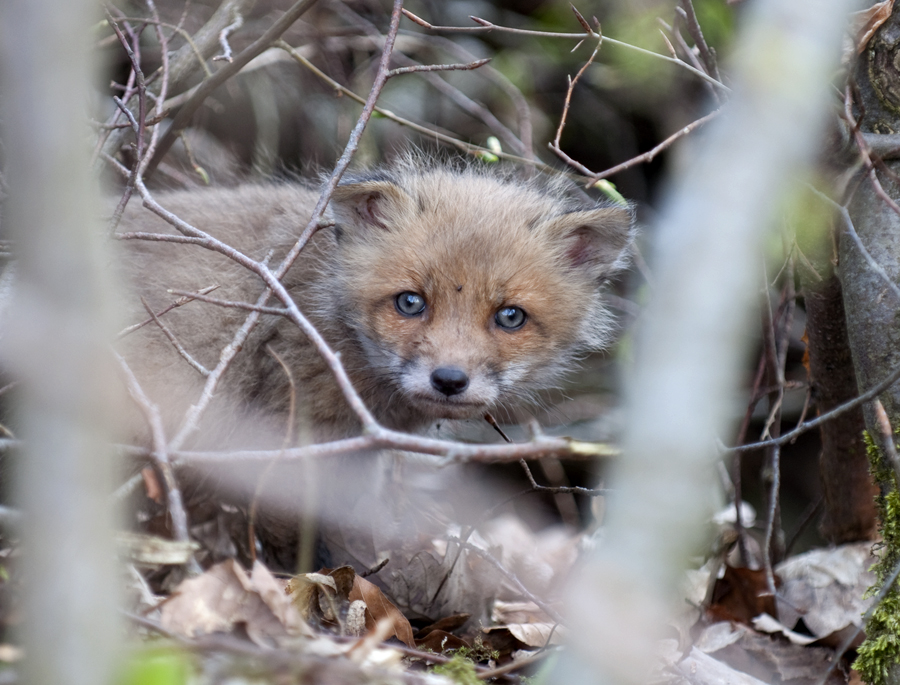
849,493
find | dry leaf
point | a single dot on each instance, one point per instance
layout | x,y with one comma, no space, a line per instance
150,550
865,23
766,624
151,484
447,624
379,606
440,642
527,623
306,593
825,588
224,596
701,669
775,660
741,594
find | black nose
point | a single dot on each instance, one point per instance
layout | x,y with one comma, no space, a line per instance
449,380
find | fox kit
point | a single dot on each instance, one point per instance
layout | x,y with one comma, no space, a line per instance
448,292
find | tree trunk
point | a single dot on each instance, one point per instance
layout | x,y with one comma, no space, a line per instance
849,494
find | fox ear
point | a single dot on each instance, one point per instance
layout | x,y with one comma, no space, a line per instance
597,241
369,204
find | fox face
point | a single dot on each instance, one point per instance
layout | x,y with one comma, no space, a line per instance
466,291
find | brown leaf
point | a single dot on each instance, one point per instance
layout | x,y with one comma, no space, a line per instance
447,624
306,592
379,606
271,591
151,484
440,641
224,596
865,23
742,594
343,580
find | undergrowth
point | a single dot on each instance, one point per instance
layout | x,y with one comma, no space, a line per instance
879,655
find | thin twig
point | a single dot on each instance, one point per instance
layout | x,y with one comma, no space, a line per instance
650,154
486,26
197,366
183,118
431,132
180,302
160,456
874,391
489,558
418,68
851,231
385,438
497,78
246,306
223,39
288,439
137,124
693,27
885,437
565,113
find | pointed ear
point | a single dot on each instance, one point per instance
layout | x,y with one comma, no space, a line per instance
367,205
596,241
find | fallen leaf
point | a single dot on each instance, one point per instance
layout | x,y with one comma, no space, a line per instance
151,484
718,636
440,642
741,594
775,660
379,606
701,669
865,23
766,624
150,550
224,596
306,593
825,588
447,624
527,623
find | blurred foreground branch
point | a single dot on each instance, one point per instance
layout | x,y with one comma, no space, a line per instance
694,333
56,340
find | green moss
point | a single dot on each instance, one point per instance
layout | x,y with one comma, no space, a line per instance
880,653
459,670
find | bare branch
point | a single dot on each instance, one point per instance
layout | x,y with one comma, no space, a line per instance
640,159
247,306
160,455
197,366
871,393
693,26
183,118
223,39
486,26
187,297
437,67
385,438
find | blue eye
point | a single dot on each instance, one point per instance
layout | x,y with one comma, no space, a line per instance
409,304
510,318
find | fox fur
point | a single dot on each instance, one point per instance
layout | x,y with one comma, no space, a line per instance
477,249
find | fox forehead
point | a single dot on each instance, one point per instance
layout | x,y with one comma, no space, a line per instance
467,253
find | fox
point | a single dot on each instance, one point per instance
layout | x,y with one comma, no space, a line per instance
448,291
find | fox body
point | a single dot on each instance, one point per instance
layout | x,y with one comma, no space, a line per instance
448,292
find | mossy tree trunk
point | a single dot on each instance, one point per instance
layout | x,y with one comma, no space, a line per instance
873,312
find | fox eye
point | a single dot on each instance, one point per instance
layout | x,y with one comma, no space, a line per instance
510,318
409,304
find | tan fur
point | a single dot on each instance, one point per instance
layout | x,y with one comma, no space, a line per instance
468,241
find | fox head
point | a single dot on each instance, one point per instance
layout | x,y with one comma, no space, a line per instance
466,290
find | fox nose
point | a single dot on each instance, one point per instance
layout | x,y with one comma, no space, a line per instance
449,380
